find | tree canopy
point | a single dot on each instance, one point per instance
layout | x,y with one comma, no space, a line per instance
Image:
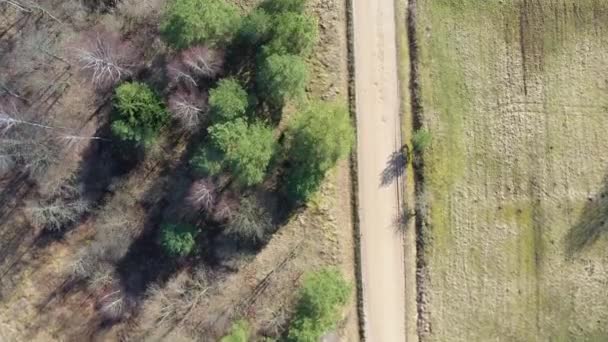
282,77
228,100
139,113
255,27
247,148
319,136
177,239
278,6
189,22
293,33
322,296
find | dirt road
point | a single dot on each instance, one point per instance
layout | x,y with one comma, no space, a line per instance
379,137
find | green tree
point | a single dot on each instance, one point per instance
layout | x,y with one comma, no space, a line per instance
294,34
247,148
189,22
139,113
322,297
255,28
281,78
319,136
207,161
178,239
227,101
421,140
238,333
278,6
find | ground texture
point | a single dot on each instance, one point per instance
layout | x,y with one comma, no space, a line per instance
515,95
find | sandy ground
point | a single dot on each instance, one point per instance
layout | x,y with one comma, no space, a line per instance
378,138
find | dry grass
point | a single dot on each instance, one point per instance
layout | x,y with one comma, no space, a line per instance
514,94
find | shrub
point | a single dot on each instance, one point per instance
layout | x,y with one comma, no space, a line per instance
178,239
250,222
278,6
227,101
247,148
139,113
238,333
322,297
207,161
318,137
421,140
189,22
293,34
281,78
255,28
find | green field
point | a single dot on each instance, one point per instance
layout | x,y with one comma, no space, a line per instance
515,95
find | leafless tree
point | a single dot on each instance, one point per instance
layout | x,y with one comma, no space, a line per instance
201,196
188,106
225,209
179,73
203,61
176,302
30,6
63,205
250,222
106,57
114,303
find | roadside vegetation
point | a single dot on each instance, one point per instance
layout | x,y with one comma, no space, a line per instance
190,139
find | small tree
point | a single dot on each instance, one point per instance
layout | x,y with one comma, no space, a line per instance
278,6
207,161
322,296
247,149
421,140
227,101
318,137
238,333
201,195
250,222
190,22
255,28
178,239
188,106
106,57
281,78
139,113
293,34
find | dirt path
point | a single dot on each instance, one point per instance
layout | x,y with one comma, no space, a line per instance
379,137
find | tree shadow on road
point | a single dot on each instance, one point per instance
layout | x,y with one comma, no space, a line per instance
591,225
395,167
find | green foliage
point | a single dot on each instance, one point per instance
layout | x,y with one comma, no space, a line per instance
279,6
247,148
250,222
227,101
421,140
255,28
178,239
322,297
189,22
318,137
238,333
282,77
293,34
207,161
139,113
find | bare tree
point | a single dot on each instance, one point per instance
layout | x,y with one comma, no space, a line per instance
250,222
106,57
188,106
201,196
179,73
64,205
203,61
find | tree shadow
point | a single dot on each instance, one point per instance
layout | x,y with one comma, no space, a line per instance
395,167
591,225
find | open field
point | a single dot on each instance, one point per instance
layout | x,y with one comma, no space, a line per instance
515,95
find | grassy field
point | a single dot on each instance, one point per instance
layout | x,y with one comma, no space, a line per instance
515,94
